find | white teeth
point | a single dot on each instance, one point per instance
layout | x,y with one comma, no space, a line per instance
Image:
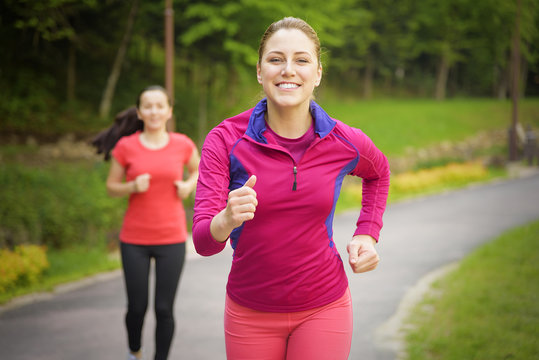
288,86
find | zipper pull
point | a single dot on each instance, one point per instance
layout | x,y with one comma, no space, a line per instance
294,187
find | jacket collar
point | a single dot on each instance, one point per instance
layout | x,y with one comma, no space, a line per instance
323,124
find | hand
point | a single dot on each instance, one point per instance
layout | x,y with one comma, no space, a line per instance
241,207
362,255
183,188
142,183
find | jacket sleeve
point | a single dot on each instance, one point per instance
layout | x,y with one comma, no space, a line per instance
211,193
373,168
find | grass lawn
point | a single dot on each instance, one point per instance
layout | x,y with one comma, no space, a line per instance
487,309
394,125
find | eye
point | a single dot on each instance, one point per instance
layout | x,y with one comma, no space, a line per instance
274,60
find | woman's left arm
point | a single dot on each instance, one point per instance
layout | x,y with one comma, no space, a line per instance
373,168
185,187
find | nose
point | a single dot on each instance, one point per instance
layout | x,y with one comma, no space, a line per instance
288,69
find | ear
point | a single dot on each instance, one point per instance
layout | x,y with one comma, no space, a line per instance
319,76
258,76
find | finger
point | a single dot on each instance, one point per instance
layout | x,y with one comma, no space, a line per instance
366,262
241,196
243,204
353,253
241,213
245,208
251,181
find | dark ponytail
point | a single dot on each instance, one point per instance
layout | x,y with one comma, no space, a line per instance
125,123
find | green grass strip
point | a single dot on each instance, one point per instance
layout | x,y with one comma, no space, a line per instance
487,309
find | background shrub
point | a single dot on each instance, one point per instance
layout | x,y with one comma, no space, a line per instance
23,266
59,205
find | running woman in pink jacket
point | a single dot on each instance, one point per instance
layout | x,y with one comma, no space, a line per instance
269,179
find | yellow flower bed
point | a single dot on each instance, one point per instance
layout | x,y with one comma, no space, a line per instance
423,181
23,265
429,178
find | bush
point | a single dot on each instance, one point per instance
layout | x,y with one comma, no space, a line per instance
58,205
23,266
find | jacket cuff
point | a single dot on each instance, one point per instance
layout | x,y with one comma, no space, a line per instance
204,242
373,231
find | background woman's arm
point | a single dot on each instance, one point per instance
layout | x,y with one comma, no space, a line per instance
185,187
117,187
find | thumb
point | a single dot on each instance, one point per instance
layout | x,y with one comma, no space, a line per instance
251,181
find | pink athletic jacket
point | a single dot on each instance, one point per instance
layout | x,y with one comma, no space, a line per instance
285,259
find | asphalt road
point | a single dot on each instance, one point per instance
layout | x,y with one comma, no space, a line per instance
84,321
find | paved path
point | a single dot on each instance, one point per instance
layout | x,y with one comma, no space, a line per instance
86,322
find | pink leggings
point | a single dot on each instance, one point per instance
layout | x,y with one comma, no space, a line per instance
319,334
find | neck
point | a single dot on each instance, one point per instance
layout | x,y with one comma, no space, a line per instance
154,138
290,123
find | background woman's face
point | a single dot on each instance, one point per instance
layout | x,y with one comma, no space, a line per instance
289,70
154,109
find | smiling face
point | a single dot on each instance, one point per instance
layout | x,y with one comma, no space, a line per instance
288,69
154,110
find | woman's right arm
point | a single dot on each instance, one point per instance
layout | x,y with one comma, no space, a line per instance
116,186
211,195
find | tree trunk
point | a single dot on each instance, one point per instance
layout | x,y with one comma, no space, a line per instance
71,73
501,81
202,83
523,77
441,77
108,93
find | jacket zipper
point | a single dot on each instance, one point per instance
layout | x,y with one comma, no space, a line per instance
294,187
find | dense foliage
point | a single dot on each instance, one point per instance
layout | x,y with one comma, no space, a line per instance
70,210
22,266
59,56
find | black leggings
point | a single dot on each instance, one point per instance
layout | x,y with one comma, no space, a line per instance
168,267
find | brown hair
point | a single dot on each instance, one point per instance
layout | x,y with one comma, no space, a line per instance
289,23
125,123
151,88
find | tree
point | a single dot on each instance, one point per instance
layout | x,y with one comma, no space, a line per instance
221,35
443,31
108,93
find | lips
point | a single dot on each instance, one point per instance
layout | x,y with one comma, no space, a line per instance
288,85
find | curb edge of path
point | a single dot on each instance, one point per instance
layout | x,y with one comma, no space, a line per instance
390,335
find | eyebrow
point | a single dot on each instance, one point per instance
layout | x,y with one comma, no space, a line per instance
296,53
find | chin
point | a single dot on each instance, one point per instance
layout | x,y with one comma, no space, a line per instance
290,103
